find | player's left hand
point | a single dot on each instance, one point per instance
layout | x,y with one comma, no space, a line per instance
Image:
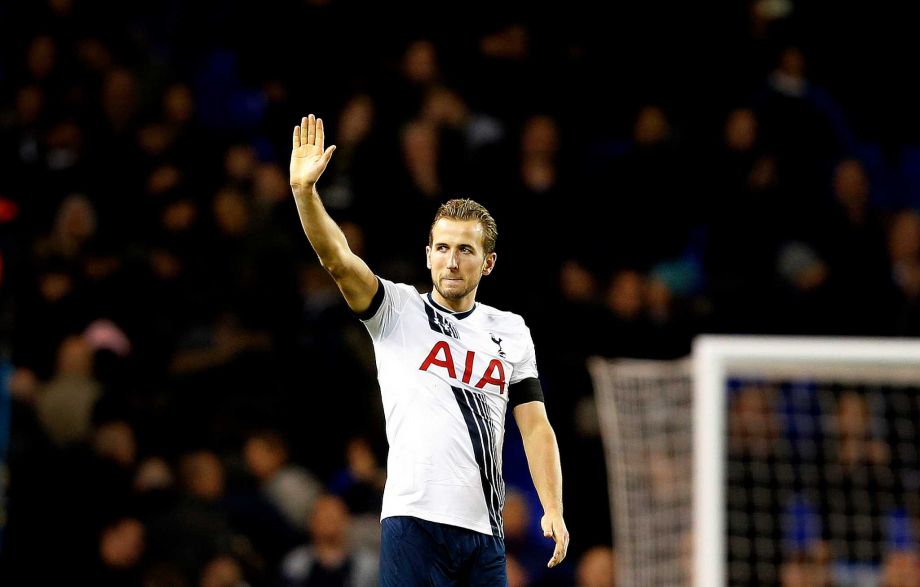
554,527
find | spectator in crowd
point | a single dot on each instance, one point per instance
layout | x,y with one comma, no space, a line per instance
121,548
289,487
901,568
904,258
222,571
66,403
329,559
597,568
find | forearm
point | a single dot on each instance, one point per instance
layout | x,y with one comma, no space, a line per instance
324,234
545,468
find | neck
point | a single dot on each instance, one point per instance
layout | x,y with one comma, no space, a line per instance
461,305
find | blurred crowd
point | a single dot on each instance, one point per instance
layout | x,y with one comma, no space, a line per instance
193,404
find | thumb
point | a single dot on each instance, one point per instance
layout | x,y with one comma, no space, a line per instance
328,154
547,526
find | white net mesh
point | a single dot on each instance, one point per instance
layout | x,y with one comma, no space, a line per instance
821,478
645,416
822,482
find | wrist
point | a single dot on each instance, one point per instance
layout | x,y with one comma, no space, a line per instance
303,190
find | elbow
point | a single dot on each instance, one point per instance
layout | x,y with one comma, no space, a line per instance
336,264
333,268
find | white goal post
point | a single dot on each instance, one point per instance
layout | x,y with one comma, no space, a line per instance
639,395
715,358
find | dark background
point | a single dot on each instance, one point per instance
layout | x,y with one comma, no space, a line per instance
656,169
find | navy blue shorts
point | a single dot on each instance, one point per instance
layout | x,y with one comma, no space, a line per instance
415,553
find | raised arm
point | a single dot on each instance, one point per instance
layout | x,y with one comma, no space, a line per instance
543,460
309,159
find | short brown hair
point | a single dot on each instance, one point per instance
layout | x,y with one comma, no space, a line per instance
466,209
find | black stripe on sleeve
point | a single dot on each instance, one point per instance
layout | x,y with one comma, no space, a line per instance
376,302
525,390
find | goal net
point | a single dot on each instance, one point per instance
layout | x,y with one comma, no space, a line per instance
765,461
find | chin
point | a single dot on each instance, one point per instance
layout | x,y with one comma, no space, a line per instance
452,293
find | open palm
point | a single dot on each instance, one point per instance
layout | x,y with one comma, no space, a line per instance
309,156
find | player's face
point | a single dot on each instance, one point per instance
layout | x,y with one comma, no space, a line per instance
457,261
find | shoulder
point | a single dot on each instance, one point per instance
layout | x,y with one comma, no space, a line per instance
502,318
404,290
393,294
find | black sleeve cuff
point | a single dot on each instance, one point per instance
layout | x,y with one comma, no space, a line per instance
524,391
376,302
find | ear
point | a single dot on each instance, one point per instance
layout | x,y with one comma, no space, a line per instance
489,263
428,256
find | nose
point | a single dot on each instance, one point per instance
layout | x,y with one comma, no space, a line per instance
453,261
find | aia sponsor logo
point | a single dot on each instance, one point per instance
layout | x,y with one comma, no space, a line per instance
441,356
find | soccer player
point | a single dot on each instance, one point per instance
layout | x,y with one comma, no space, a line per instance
448,368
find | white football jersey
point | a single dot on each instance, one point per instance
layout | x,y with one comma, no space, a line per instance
445,379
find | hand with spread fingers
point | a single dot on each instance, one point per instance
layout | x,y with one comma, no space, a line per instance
554,527
309,157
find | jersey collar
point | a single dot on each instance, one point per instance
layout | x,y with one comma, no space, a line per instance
457,315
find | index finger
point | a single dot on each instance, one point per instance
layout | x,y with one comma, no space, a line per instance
320,134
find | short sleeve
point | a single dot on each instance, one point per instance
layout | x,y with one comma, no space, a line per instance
382,315
526,367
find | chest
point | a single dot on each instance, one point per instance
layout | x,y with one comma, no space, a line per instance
470,352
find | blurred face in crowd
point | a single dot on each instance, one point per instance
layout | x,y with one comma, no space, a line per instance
457,260
230,212
900,569
540,136
30,101
122,544
119,96
576,282
420,63
516,516
651,127
115,441
792,62
356,119
851,184
904,236
179,104
624,296
420,146
330,520
76,218
262,459
203,474
222,571
852,415
596,568
741,130
41,57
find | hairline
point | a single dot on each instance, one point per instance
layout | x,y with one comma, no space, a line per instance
482,231
465,209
